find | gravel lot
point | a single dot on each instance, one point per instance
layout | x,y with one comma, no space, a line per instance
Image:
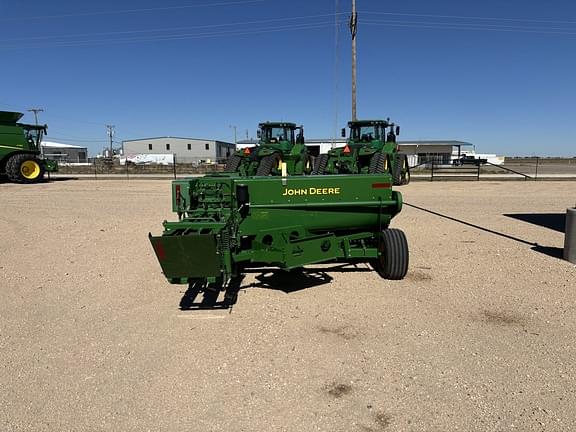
480,336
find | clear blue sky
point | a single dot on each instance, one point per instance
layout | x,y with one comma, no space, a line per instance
500,74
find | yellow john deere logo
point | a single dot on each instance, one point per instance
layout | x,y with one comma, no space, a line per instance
311,191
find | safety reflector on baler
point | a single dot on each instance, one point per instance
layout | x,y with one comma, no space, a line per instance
247,151
381,185
346,150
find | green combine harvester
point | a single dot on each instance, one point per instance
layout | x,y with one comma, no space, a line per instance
371,149
20,151
278,146
228,223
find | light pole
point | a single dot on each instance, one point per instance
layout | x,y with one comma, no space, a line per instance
233,127
110,129
353,24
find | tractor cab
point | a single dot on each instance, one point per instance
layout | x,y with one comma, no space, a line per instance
373,133
280,144
280,136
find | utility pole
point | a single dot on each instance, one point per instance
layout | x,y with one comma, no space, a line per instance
36,111
353,24
233,127
110,129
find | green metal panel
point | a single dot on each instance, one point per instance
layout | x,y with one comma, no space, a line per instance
187,256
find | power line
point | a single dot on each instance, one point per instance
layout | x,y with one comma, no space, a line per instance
127,11
164,29
175,37
471,17
465,24
448,26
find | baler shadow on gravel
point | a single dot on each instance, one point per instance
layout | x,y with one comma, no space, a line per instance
227,223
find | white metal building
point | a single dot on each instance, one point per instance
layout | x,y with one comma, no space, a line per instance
185,150
64,153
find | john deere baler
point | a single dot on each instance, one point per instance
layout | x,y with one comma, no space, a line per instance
228,223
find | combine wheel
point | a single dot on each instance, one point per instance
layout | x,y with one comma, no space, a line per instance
268,164
320,164
378,164
400,170
393,260
24,168
233,163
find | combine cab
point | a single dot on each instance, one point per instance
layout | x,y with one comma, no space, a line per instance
20,155
371,149
278,145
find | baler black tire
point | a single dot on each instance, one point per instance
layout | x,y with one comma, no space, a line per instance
394,255
267,164
320,164
15,168
233,163
378,164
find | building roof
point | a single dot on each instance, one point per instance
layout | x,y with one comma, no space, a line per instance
174,137
51,144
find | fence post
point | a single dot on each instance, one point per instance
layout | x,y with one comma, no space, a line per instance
432,172
95,171
174,164
570,236
537,163
127,175
478,175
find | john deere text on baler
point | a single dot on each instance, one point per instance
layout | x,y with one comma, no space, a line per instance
371,148
227,223
20,155
279,142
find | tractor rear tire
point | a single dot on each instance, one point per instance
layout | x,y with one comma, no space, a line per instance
25,168
379,164
233,163
268,164
400,170
394,255
320,164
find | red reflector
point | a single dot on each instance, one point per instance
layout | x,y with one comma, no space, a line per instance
159,250
247,151
178,194
381,185
346,150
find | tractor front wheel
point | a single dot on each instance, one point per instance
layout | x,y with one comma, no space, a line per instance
233,163
400,170
268,164
320,164
25,168
392,262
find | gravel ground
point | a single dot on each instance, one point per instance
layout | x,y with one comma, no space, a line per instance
480,336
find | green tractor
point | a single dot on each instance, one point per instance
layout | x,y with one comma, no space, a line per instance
279,146
20,155
371,149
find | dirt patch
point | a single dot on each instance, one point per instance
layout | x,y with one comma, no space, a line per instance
503,318
383,420
344,332
337,390
418,276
